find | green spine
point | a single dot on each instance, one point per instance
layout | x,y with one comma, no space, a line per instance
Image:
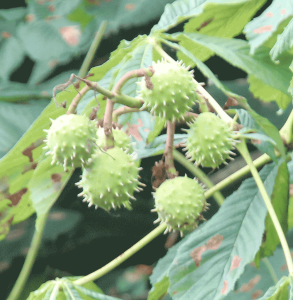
179,203
110,179
71,140
210,141
173,91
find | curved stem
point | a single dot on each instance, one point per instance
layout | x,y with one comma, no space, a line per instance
197,172
260,161
76,99
200,89
93,48
29,260
124,256
109,138
242,148
123,110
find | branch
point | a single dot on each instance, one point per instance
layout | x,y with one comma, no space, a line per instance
169,160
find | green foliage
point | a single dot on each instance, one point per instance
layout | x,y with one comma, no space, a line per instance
264,29
236,52
215,260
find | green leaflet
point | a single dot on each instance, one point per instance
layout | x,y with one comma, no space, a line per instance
264,29
218,18
214,256
260,65
19,165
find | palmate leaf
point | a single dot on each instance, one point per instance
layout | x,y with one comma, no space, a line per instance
182,10
218,18
214,255
203,68
160,276
18,166
264,29
236,52
279,291
280,201
125,13
255,282
64,288
284,42
248,122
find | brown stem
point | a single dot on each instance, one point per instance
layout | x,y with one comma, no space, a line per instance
169,160
76,99
108,125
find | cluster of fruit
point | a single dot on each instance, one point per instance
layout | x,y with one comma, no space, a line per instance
110,177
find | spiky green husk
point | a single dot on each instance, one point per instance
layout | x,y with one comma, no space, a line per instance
122,140
179,203
110,179
210,141
71,140
173,93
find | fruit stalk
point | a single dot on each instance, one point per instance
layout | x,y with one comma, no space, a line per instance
200,89
124,256
198,173
242,148
76,99
169,160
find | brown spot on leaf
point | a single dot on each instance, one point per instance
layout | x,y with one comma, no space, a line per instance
204,24
5,34
269,14
214,242
52,63
4,265
15,234
129,6
225,288
29,167
94,2
52,8
56,178
133,130
246,287
263,29
255,141
230,102
30,18
284,267
256,294
16,197
29,150
283,11
24,251
196,254
235,262
57,216
71,35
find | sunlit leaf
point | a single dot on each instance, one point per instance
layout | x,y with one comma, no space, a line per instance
214,255
260,65
265,27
